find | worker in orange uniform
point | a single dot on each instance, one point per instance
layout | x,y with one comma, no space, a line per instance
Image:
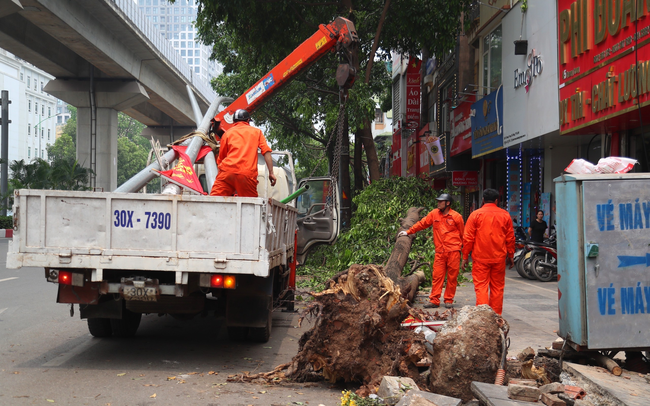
490,238
237,162
448,228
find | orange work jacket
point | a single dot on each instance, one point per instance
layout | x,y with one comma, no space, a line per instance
238,149
489,234
447,229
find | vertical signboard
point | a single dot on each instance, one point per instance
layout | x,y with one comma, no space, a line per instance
413,93
411,154
487,124
604,64
461,128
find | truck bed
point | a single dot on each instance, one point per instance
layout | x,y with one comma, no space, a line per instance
135,231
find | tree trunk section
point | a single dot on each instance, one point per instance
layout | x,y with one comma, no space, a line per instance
344,178
358,163
371,151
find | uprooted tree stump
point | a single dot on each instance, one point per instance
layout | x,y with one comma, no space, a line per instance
468,348
356,335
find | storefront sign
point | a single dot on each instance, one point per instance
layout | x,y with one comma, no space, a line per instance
464,178
487,124
413,93
530,81
534,67
604,62
411,154
461,127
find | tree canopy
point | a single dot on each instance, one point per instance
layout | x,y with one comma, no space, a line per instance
250,38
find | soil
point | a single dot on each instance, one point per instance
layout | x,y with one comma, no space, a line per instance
467,349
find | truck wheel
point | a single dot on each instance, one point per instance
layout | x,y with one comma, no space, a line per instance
100,327
237,333
127,325
262,334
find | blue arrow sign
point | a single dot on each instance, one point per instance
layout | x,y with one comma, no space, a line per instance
625,261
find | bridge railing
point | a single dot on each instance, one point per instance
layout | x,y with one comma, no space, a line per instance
130,9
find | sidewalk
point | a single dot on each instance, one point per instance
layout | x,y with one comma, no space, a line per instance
529,307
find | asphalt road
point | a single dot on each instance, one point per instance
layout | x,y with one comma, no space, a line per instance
48,357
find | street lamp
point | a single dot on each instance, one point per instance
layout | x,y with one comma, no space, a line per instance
36,130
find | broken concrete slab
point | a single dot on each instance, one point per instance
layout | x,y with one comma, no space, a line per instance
527,382
551,400
392,388
434,398
523,392
526,354
629,389
496,395
555,387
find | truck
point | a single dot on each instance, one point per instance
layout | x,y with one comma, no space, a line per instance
121,254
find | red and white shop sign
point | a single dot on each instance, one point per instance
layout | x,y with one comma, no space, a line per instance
464,178
603,47
413,93
461,127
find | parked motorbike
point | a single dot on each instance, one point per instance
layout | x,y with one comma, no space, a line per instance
521,249
541,259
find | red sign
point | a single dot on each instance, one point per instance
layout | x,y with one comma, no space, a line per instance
396,151
464,178
461,127
411,154
600,43
413,93
183,173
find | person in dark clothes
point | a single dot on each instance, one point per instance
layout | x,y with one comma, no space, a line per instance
538,228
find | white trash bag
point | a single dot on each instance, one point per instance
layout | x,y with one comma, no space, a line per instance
612,164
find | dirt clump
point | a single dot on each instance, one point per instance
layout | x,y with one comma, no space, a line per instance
356,335
468,348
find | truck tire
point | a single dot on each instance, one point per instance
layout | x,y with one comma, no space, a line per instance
262,334
100,327
127,325
237,333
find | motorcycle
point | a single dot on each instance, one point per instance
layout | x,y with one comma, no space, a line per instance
541,259
521,249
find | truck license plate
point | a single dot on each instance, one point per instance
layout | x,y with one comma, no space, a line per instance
144,294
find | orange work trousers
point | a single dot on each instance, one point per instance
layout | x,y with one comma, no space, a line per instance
227,184
489,281
444,263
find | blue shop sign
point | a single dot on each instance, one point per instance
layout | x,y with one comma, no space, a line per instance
487,124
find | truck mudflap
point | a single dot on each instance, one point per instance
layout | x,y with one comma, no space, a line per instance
251,304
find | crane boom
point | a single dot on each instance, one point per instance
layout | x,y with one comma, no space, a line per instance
340,33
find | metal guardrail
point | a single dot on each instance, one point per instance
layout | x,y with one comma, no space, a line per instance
130,9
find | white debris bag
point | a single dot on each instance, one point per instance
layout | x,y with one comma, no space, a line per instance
612,164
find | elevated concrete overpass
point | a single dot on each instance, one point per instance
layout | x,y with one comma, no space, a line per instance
106,58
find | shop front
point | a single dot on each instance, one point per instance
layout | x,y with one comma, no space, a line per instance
531,113
604,73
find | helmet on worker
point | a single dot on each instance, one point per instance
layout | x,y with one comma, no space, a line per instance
446,197
241,115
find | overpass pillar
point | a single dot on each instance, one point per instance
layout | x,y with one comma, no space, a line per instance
97,141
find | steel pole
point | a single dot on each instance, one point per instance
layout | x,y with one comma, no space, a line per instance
143,177
4,139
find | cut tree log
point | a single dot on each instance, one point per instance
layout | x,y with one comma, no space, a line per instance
399,256
608,363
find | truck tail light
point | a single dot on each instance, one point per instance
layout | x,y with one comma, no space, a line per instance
216,281
65,278
229,282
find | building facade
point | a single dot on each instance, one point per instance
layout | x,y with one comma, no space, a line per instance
175,21
33,113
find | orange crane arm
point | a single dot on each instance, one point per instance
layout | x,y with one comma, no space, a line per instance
340,34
